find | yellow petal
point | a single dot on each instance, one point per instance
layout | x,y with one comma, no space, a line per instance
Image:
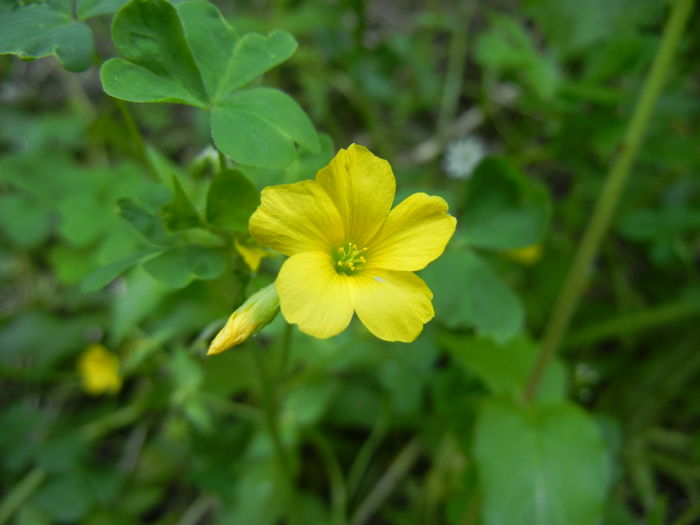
362,187
295,218
415,233
394,306
252,255
313,295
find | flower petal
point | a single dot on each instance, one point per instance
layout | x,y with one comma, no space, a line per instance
313,295
414,234
362,187
295,218
394,306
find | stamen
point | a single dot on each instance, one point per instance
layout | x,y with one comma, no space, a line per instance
349,258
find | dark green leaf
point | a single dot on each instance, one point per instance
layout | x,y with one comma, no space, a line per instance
505,368
231,200
24,221
179,266
100,277
40,30
147,224
540,465
180,214
469,293
259,127
504,209
158,64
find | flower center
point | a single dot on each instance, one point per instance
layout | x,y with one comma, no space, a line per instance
348,259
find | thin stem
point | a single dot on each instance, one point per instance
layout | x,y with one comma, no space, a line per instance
270,412
607,201
339,495
455,72
386,484
223,163
286,349
20,492
634,322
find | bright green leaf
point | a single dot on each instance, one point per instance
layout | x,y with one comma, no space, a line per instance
231,201
259,127
540,465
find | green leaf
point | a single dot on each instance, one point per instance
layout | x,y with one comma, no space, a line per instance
90,8
226,62
180,213
482,301
259,127
39,30
540,465
190,55
26,222
158,64
231,201
505,368
102,276
147,224
254,55
504,209
179,266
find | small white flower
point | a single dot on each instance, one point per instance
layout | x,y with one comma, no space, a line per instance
462,156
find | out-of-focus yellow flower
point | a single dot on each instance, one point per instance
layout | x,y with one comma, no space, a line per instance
349,251
259,310
99,370
252,255
528,255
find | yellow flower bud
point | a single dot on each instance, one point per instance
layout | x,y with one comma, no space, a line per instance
259,310
99,370
527,255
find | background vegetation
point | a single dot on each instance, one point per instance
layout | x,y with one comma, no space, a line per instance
118,264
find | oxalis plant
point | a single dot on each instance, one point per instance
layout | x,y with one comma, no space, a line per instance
287,222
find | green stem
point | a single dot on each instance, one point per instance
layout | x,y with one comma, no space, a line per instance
286,349
607,201
386,484
270,413
455,72
339,495
20,492
632,323
136,136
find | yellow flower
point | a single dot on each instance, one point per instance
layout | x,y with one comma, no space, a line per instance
99,370
349,252
527,255
259,310
251,254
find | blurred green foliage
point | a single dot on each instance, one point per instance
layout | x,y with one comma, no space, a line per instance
119,223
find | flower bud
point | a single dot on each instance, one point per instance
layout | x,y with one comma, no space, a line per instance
259,310
99,370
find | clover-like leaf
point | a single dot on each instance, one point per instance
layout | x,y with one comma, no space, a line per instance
189,54
42,29
259,127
